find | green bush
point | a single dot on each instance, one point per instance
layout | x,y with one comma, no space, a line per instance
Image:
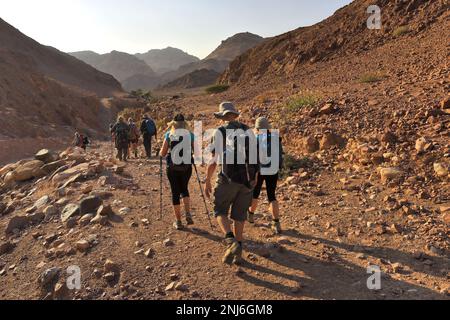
217,88
371,78
400,31
291,163
299,102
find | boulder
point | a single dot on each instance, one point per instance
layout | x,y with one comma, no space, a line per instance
46,156
422,145
445,105
74,171
441,170
69,211
53,166
42,202
311,144
90,204
49,276
18,222
389,174
6,247
50,211
29,170
331,140
82,245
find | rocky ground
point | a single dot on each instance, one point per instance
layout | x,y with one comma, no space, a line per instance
90,211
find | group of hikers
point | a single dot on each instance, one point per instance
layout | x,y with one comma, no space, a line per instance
237,190
126,137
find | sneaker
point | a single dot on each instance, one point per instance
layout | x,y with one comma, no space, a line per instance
189,220
178,225
233,249
276,227
251,218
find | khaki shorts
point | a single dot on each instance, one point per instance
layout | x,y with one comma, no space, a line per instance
232,196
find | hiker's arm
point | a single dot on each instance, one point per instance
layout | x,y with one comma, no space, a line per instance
164,149
209,174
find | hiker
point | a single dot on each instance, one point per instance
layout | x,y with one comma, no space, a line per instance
134,137
234,187
271,162
81,141
179,166
148,130
121,137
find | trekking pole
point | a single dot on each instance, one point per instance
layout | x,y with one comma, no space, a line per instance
160,187
203,196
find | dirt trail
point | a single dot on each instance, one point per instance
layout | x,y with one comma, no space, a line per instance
309,261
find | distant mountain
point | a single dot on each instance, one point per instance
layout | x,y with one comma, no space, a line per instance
47,93
195,79
235,46
218,60
119,64
166,60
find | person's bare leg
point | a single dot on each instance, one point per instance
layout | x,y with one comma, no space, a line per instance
239,230
254,206
224,224
177,212
275,210
187,204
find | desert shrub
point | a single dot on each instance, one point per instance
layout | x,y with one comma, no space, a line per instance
291,164
400,31
371,77
219,88
299,102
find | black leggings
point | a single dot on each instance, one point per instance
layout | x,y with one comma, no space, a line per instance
271,185
179,183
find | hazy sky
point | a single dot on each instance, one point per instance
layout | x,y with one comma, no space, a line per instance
196,26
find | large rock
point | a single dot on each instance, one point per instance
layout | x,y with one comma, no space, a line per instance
42,202
7,168
311,144
46,156
90,204
69,211
18,222
390,174
67,174
53,166
445,105
331,140
422,145
2,208
441,170
29,170
6,247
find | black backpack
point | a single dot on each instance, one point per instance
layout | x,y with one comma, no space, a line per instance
121,133
241,173
267,145
178,167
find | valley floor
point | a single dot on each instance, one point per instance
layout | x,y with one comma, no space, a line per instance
330,239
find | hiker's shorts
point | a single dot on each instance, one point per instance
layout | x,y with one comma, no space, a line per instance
232,196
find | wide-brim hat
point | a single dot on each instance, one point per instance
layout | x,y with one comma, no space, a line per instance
226,108
263,123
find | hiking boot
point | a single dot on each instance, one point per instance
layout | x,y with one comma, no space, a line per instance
251,218
234,249
237,260
189,219
276,227
178,225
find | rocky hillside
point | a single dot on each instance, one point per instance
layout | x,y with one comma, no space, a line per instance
195,79
344,33
166,60
234,46
217,61
45,93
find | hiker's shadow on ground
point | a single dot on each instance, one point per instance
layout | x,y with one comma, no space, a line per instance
339,279
388,254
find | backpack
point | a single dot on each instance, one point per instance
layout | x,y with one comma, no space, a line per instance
134,134
121,134
151,127
241,173
265,155
173,143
